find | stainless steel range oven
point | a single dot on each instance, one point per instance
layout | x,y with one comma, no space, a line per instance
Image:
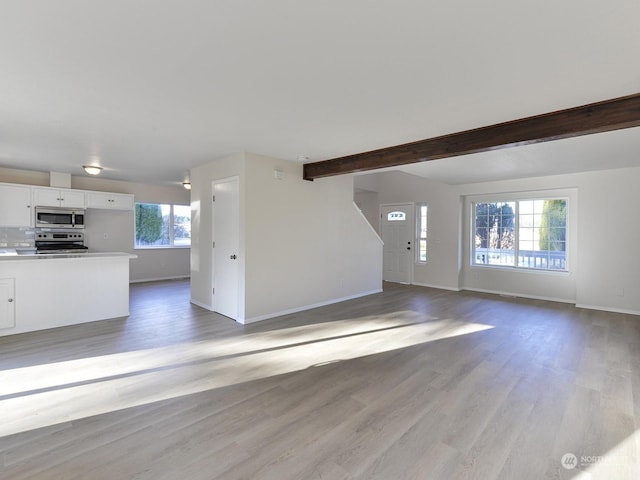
60,241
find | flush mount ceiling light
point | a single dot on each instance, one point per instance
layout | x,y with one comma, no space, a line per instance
187,185
92,169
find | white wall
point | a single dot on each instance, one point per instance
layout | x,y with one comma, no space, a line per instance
443,222
369,205
118,226
307,242
303,243
609,229
27,177
603,223
202,178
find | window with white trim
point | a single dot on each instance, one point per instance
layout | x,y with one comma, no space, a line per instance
528,234
421,232
162,225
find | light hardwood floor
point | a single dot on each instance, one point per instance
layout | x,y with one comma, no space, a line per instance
412,383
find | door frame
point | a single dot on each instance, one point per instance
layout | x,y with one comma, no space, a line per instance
239,287
412,209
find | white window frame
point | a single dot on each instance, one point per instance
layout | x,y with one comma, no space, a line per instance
517,198
172,244
419,237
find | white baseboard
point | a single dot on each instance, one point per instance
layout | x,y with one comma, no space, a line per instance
200,304
308,307
440,287
608,309
521,295
143,280
560,300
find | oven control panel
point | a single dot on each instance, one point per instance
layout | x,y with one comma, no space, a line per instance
60,236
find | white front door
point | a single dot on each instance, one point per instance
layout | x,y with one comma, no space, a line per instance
226,247
397,232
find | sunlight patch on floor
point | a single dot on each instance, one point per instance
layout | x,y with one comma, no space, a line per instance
38,396
622,461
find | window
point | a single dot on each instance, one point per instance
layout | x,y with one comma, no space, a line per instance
396,217
494,233
421,227
159,225
529,234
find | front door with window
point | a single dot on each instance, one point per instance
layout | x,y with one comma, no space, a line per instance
397,232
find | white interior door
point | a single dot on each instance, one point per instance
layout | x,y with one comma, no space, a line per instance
226,247
397,232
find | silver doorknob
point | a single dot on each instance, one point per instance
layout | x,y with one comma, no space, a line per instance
10,300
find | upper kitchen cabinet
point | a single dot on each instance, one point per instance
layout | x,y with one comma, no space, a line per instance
111,201
15,206
55,197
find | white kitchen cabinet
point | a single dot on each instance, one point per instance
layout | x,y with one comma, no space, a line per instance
7,303
55,197
111,201
56,290
15,206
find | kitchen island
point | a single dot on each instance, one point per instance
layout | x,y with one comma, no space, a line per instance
46,291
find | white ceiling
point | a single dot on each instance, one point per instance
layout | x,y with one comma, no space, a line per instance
617,149
154,87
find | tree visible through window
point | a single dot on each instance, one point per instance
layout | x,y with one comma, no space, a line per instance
161,225
149,224
495,233
543,233
181,225
522,233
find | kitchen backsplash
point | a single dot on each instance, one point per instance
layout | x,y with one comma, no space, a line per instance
17,237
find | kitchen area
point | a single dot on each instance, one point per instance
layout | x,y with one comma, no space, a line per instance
57,230
49,274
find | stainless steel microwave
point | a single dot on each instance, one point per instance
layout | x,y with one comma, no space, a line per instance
52,217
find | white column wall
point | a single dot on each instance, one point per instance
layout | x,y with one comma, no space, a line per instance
307,242
609,232
202,222
304,244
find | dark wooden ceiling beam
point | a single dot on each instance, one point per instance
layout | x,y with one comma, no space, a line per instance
615,114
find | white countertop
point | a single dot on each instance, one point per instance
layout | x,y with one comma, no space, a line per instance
13,251
10,255
51,291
